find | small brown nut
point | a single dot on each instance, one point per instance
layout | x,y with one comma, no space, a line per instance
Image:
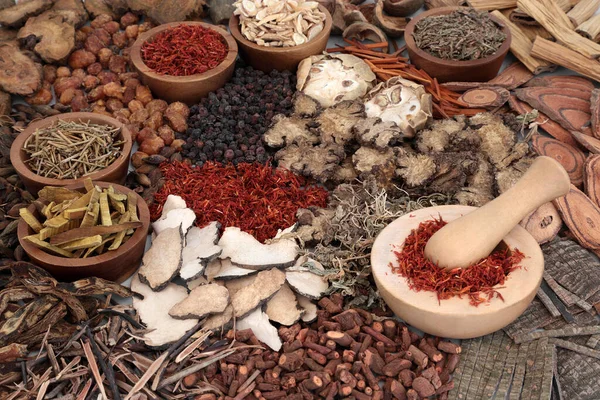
143,94
111,27
177,144
144,134
81,59
94,69
96,94
132,31
100,20
113,89
157,105
176,121
152,146
137,157
93,44
139,117
126,53
154,121
107,77
132,83
103,35
179,108
79,103
128,95
117,64
50,73
120,39
146,26
104,56
166,134
79,73
129,19
128,75
67,96
63,72
42,96
113,105
135,105
63,84
133,130
90,82
80,36
124,113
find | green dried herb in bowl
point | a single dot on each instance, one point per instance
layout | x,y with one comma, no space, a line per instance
462,35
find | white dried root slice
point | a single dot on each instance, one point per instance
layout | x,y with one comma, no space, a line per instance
162,261
173,202
235,285
212,269
194,283
153,310
230,271
183,217
283,307
258,321
400,101
202,301
304,282
281,233
247,252
266,284
309,308
331,79
200,248
218,321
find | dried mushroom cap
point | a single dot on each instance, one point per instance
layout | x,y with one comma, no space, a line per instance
153,310
377,133
401,101
247,252
307,283
200,248
266,284
309,314
287,130
179,217
258,321
202,301
230,271
218,321
162,261
362,31
320,162
393,26
330,79
283,307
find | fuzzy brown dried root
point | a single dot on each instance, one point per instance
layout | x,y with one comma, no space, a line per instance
320,162
373,162
377,133
415,169
480,185
335,123
288,130
305,106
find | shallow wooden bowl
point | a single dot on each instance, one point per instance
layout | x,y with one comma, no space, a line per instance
455,71
454,318
117,265
187,89
115,173
267,59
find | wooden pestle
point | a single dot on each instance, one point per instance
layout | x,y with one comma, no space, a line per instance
468,239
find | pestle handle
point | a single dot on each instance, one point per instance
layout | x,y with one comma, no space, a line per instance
467,240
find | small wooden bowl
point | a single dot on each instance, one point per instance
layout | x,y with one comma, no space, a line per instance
114,173
187,89
481,70
454,318
117,265
267,59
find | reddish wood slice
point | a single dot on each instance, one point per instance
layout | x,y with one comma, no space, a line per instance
582,217
568,107
544,223
562,81
551,127
569,157
595,110
590,143
486,97
591,183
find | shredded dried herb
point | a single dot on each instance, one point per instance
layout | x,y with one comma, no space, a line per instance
461,35
479,282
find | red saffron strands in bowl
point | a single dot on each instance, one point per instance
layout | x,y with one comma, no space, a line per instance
479,281
256,198
184,50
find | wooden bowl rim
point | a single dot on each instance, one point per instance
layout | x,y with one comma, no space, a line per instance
530,274
18,155
138,62
412,46
234,27
140,234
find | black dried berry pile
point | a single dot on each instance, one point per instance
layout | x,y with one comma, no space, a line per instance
228,125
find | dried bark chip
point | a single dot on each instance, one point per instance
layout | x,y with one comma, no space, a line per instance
230,271
544,223
202,301
258,321
266,284
247,252
162,261
283,307
563,82
591,183
153,310
304,282
55,37
200,249
582,217
180,217
310,309
18,73
16,15
569,157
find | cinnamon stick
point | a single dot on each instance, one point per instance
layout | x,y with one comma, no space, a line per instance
565,57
